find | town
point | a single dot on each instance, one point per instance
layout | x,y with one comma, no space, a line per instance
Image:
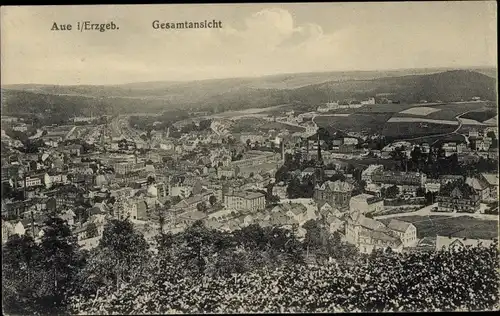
96,168
294,158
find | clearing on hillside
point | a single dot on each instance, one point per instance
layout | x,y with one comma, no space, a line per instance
421,110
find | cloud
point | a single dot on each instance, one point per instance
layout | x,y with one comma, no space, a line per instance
260,41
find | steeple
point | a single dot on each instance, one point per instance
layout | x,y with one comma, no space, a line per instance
319,172
320,158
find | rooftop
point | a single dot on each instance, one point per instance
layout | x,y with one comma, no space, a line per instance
246,194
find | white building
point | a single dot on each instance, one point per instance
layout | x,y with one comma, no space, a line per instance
407,232
245,200
366,203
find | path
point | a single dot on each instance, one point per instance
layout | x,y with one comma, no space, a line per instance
460,124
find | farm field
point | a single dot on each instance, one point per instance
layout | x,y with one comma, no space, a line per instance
385,108
404,130
420,111
368,123
448,111
492,121
420,119
452,110
252,124
441,139
465,121
480,116
463,226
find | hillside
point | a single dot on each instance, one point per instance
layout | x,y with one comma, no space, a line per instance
445,86
243,93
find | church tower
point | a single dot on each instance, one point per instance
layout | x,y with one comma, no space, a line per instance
320,167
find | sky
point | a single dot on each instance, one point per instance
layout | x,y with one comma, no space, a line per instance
255,40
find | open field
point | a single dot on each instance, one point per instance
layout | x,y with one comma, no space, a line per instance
440,139
404,130
452,110
492,121
465,121
369,123
384,108
420,110
420,119
480,116
252,124
463,226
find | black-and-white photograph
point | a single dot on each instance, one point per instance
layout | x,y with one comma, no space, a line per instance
249,158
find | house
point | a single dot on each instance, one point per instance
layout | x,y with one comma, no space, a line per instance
456,243
337,193
432,186
188,218
326,211
310,171
7,230
366,175
69,217
297,211
368,234
481,187
458,196
189,205
491,180
335,224
407,232
85,236
366,203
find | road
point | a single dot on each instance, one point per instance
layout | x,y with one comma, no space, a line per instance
460,124
426,211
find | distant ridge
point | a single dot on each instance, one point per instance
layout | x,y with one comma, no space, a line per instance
243,93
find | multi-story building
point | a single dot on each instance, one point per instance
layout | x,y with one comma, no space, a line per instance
458,196
245,201
366,203
336,193
255,157
407,232
366,175
128,167
368,234
399,178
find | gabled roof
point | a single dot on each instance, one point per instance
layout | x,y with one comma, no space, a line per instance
443,241
477,184
337,186
491,178
399,226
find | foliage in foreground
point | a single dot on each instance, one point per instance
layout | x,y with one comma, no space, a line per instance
254,269
441,281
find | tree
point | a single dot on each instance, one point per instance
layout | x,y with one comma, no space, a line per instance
20,275
92,230
212,200
201,207
491,135
197,239
392,192
175,199
123,251
420,191
151,179
60,260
